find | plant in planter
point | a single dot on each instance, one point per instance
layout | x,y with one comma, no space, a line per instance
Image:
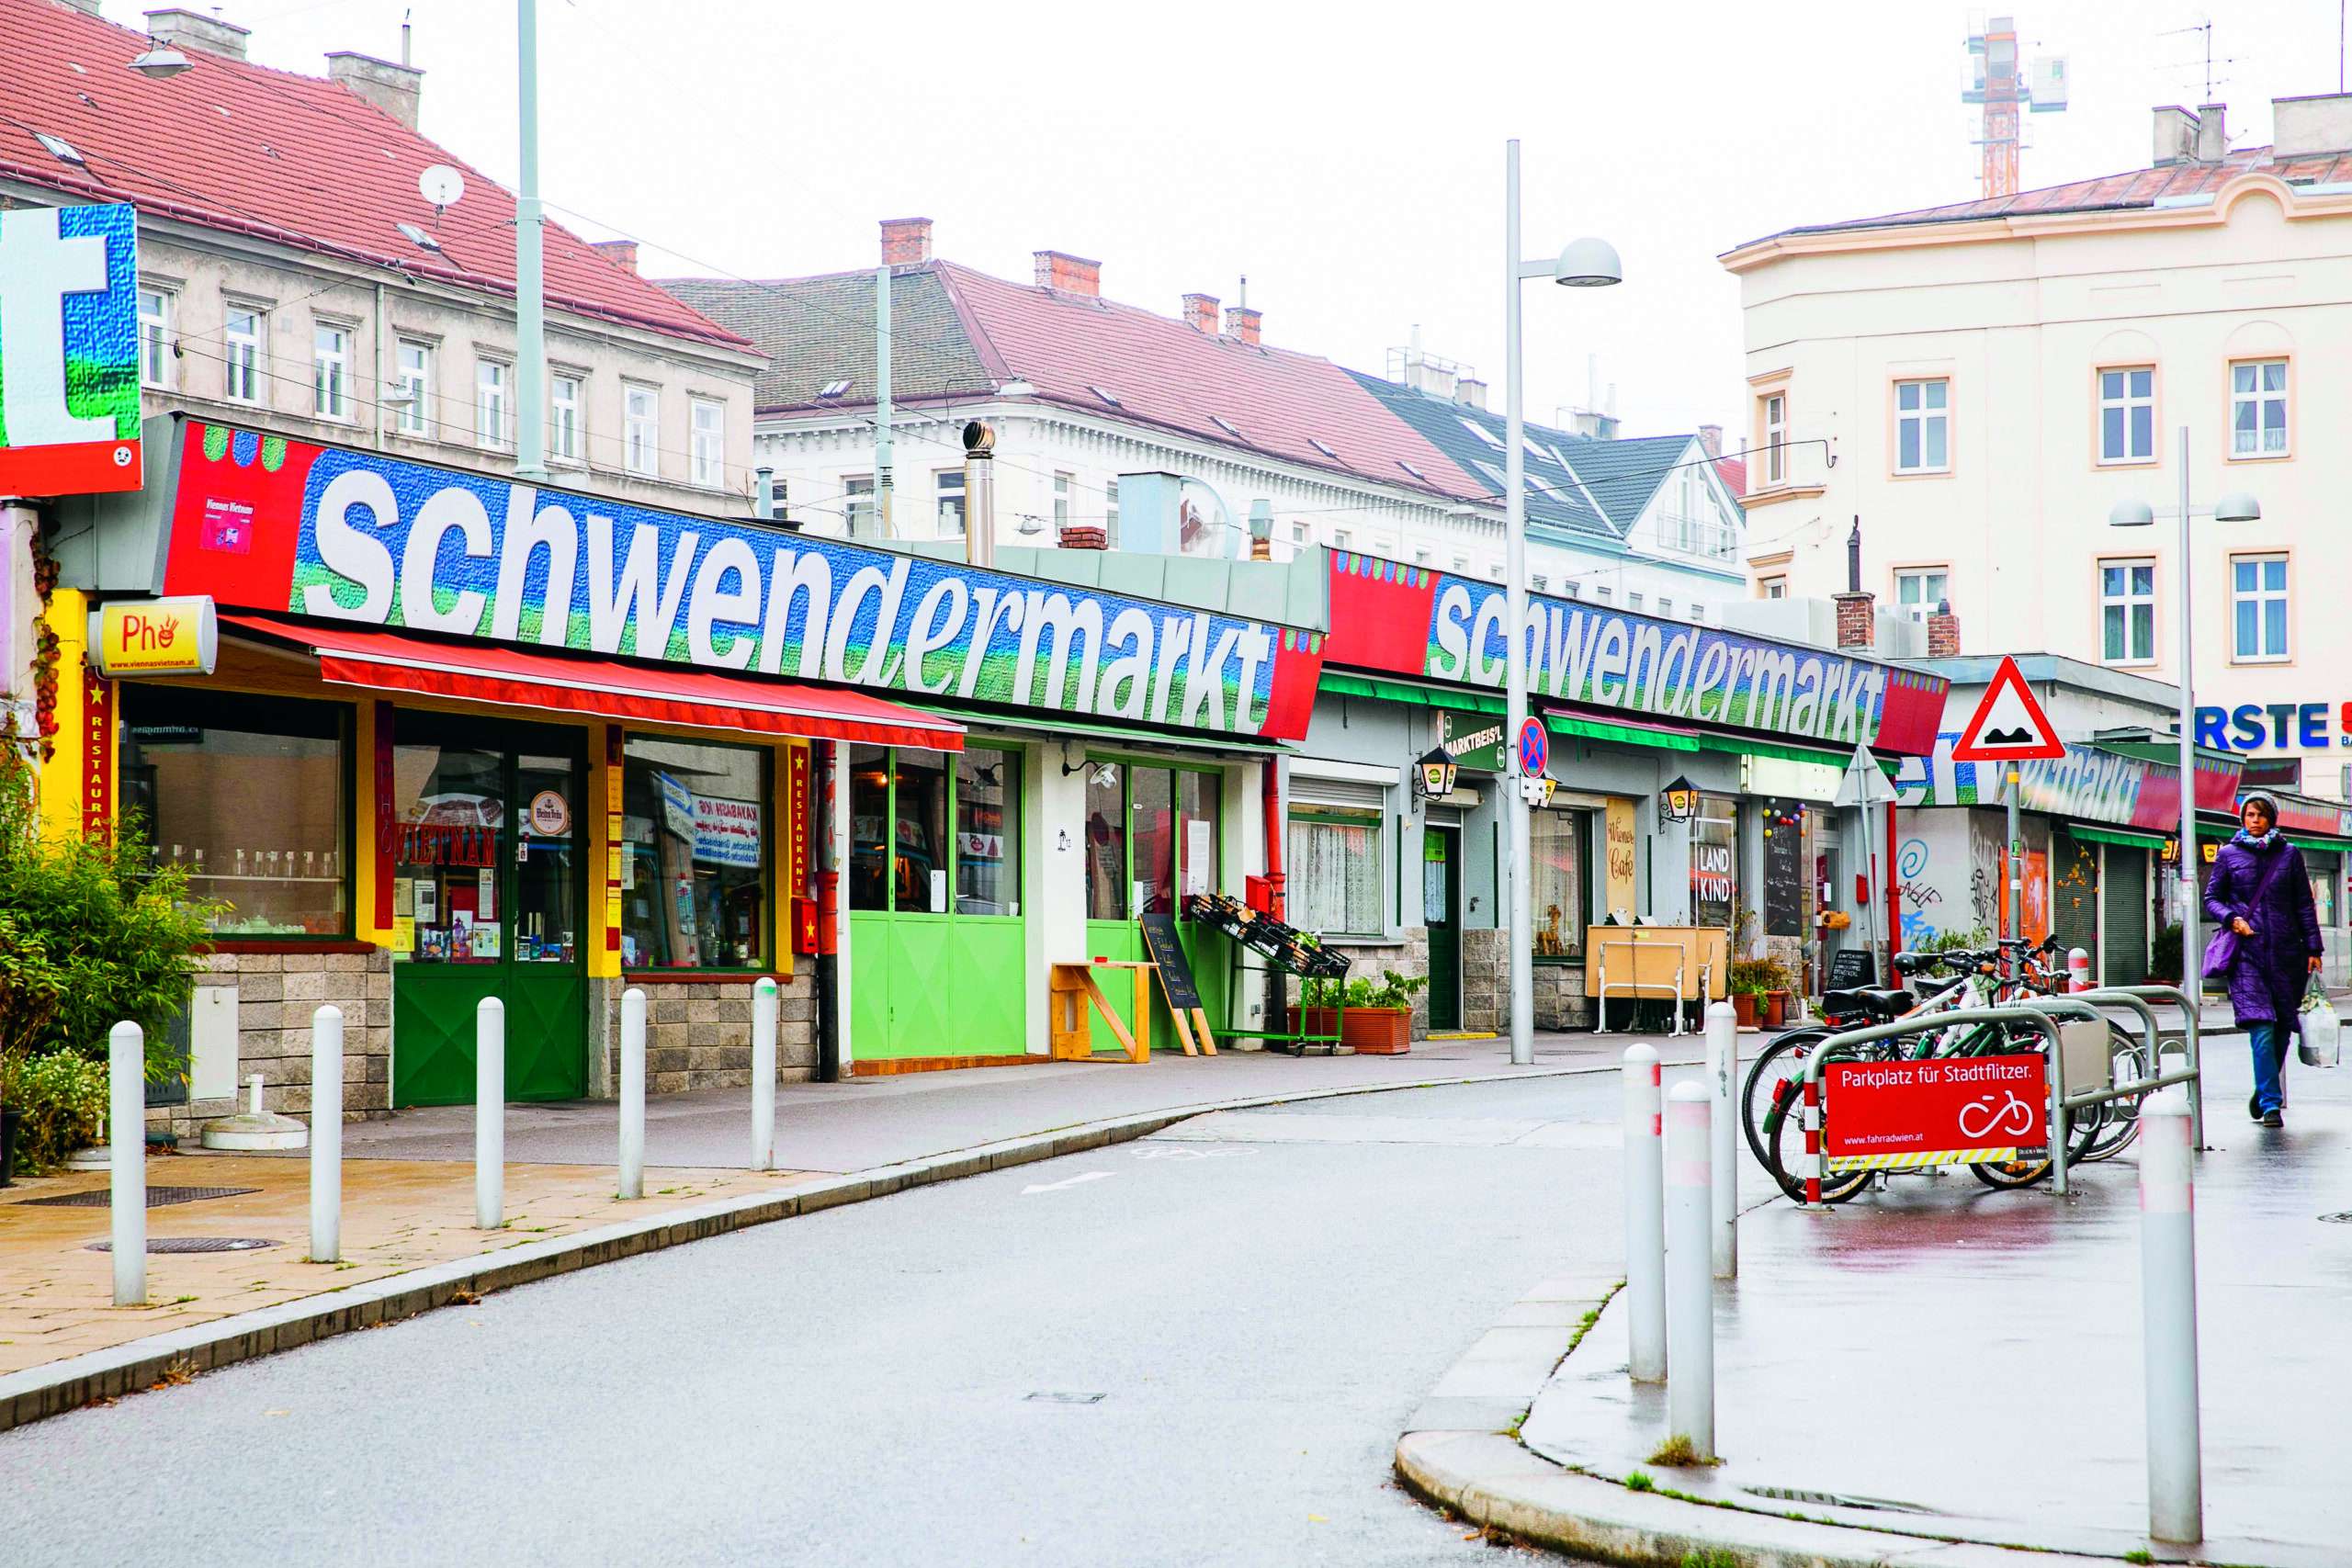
1377,1020
1748,979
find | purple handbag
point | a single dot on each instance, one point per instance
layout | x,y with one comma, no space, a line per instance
2221,954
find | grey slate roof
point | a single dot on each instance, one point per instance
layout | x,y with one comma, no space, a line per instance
819,330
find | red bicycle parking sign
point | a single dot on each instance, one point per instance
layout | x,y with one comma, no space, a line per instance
1949,1110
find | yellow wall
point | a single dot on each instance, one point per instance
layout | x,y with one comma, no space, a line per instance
61,777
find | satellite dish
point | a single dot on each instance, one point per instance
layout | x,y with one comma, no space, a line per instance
441,185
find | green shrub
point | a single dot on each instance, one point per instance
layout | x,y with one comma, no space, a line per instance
63,1098
2164,959
1394,991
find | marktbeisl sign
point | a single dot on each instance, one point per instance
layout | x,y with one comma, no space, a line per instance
1386,615
69,350
274,524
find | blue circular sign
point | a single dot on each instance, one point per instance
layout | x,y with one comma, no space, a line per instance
1535,748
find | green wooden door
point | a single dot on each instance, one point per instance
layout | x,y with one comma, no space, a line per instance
488,879
1441,890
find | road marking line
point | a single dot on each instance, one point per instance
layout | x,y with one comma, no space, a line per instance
1058,1186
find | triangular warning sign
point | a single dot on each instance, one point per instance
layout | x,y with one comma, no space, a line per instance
2009,726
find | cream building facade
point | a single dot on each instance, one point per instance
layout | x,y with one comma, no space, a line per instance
1973,387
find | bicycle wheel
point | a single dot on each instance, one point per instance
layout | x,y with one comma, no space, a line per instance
1774,1082
2119,1118
1785,1143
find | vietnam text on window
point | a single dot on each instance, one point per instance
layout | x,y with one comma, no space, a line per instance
696,835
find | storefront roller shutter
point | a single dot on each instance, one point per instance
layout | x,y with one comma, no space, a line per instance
1308,792
2125,961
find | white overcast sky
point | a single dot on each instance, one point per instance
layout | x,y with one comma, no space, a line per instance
1348,158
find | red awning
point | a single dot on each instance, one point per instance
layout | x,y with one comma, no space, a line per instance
495,672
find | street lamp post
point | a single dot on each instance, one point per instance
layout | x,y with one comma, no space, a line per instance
2235,507
1586,263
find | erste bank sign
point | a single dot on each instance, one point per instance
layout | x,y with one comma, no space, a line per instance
69,350
280,524
1386,615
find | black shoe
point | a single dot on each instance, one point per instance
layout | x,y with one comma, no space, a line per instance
2272,1119
2254,1106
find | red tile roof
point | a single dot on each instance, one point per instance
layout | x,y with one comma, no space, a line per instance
1174,376
1734,472
293,159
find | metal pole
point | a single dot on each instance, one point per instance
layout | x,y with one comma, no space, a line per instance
1691,1320
1644,1219
326,1135
1723,1074
2192,978
1520,891
882,453
2014,856
632,1093
2169,1292
763,1012
530,287
127,1152
490,1114
980,495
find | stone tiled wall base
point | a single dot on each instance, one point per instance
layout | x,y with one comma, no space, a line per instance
1485,987
277,994
698,1035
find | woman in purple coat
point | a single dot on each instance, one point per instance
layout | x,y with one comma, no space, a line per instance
2261,890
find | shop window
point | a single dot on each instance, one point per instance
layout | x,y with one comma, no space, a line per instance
869,815
548,855
1106,841
1151,839
1559,883
904,860
249,795
451,803
697,826
1714,862
919,832
1154,831
1333,882
988,831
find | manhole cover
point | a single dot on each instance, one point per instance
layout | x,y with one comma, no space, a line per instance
1068,1398
2343,1219
1833,1499
194,1244
157,1197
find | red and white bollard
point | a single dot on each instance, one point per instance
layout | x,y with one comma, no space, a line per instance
2168,1301
2078,969
1644,1219
1812,1139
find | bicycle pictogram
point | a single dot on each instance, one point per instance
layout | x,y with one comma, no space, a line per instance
1990,1117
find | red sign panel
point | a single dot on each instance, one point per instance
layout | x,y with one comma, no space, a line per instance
97,758
1950,1110
795,868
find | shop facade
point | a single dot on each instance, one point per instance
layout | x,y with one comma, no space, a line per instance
465,737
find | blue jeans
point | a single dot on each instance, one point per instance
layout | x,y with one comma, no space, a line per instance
2269,1056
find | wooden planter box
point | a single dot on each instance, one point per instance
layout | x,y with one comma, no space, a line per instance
1368,1031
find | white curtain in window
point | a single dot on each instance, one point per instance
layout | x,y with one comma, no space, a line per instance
1333,879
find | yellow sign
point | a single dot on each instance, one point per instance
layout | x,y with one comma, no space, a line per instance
154,636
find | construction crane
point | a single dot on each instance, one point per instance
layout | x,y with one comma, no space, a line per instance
2002,90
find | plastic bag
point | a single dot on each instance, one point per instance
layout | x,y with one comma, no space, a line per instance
2323,1036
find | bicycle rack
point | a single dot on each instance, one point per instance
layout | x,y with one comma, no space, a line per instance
2043,1024
2138,997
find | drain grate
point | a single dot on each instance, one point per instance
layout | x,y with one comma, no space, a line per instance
157,1197
194,1244
1833,1499
1067,1398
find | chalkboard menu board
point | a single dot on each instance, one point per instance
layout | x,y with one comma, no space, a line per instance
1783,873
1175,972
1851,967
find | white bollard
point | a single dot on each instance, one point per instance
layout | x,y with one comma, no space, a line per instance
1690,1280
490,1114
326,1135
1722,1079
763,1012
127,1151
1644,1220
632,1093
2168,1298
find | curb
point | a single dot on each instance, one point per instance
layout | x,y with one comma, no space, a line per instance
140,1364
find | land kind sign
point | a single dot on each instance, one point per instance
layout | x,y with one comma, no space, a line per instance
273,524
1385,616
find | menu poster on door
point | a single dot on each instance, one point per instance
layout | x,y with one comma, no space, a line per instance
486,894
1199,839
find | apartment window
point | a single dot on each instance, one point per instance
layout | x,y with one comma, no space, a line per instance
1061,502
949,487
1495,571
1775,587
154,337
565,439
1698,612
1917,594
708,434
2127,611
491,381
2259,409
1666,606
1111,515
641,430
859,512
241,343
1922,427
1602,593
1462,563
1298,533
1572,590
1421,558
1538,585
1341,538
415,386
2127,415
2258,607
1633,602
330,372
1776,429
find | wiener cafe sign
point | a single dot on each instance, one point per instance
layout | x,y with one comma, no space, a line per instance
1950,1110
273,524
1386,615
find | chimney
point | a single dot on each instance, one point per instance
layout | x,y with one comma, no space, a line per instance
2301,127
1471,391
2212,140
1067,273
906,242
178,28
2175,136
392,88
1943,632
1856,611
1085,537
1711,440
622,254
1241,323
1199,312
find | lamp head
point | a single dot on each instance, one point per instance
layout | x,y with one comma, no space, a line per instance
1261,519
162,62
1587,263
2130,515
2237,507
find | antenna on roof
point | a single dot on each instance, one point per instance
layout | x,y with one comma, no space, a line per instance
405,14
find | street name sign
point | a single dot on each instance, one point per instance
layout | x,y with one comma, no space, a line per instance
1949,1110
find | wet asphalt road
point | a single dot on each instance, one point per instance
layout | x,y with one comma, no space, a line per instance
1259,1318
